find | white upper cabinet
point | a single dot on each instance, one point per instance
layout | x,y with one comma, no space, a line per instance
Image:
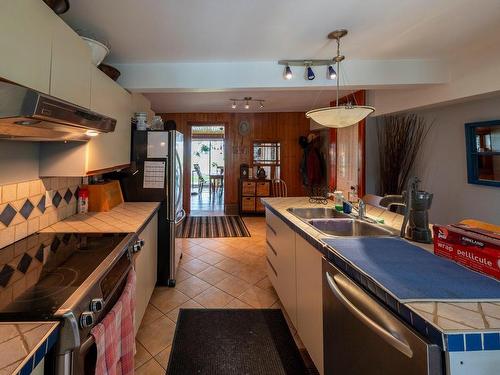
71,66
26,29
108,98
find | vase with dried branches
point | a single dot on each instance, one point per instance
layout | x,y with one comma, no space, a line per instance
399,140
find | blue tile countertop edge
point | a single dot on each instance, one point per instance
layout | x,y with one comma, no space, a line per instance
452,342
39,353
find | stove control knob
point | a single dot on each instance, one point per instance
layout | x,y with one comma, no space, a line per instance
87,319
96,305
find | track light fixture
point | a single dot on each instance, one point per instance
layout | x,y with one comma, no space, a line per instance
308,64
332,74
310,73
247,100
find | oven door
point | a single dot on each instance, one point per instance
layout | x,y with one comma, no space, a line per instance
112,286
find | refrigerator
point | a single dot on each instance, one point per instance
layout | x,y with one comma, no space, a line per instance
157,167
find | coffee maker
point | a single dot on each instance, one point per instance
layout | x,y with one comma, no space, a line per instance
416,213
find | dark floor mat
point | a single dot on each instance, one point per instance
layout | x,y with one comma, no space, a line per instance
234,341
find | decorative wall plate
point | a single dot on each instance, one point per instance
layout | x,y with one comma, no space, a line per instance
244,127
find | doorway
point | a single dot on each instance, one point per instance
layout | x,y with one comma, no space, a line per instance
207,170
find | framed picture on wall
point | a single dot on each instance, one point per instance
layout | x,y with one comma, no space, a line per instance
483,152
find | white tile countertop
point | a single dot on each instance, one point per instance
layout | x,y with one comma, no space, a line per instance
447,317
126,217
19,342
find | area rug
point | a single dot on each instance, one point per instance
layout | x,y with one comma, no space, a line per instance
234,341
212,227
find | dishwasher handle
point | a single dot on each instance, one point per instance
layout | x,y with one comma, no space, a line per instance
396,343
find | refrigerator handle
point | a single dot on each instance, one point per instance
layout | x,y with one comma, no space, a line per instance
182,217
396,343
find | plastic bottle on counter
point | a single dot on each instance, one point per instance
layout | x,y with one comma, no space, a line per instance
83,201
339,200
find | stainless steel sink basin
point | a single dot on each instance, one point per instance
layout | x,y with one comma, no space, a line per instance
317,213
351,227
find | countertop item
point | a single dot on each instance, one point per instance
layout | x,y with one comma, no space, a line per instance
411,275
442,321
127,217
23,345
104,196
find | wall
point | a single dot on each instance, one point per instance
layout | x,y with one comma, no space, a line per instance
285,127
18,161
23,208
442,164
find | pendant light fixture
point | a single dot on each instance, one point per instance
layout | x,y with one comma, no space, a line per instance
339,116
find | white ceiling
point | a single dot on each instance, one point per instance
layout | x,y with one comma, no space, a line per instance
227,30
275,101
158,44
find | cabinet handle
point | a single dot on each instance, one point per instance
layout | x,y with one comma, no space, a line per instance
272,267
272,229
272,248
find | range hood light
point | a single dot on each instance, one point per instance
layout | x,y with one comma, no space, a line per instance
92,133
27,122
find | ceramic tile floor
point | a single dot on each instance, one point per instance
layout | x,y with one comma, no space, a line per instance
214,273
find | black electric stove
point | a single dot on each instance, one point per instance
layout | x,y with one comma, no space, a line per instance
60,264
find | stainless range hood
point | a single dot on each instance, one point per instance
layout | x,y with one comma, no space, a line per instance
28,115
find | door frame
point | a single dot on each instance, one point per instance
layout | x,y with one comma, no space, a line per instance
358,97
187,157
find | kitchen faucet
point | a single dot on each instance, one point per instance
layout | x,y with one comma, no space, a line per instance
361,208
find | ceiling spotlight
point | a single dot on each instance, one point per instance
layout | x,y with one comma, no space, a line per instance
332,74
261,105
247,105
233,106
310,74
288,73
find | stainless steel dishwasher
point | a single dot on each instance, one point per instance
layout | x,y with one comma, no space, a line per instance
361,336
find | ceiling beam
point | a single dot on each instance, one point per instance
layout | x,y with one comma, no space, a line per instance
223,76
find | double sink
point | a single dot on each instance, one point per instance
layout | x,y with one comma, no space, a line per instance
334,223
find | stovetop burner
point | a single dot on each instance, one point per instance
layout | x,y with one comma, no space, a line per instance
63,262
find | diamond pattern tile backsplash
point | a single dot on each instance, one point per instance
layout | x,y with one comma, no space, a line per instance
24,209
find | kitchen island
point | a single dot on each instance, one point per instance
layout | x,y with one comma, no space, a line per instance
465,330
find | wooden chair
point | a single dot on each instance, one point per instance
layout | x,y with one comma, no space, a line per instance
201,180
279,188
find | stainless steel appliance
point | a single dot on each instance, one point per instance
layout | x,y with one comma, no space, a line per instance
157,176
80,278
362,337
29,115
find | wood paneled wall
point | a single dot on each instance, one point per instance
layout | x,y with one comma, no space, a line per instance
284,127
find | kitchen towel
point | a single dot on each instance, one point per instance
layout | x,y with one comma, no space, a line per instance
114,335
410,273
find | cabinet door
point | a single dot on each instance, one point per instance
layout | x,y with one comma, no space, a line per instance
108,98
310,299
145,268
71,66
281,256
26,28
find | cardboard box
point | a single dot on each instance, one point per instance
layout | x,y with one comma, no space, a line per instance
478,251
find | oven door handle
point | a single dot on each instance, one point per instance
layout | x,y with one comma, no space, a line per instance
85,346
389,338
